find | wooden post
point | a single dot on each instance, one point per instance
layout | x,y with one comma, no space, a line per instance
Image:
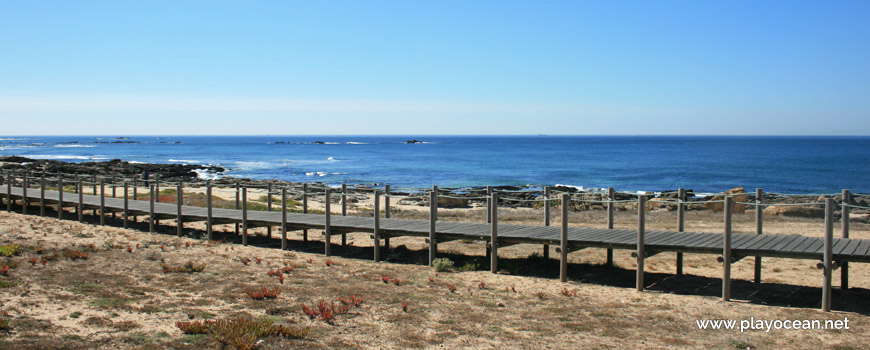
269,207
284,218
59,196
681,224
377,227
493,239
844,221
343,212
829,239
387,214
135,194
611,196
563,260
641,245
327,230
179,220
237,205
305,209
102,202
209,224
726,250
24,195
488,204
114,191
759,229
244,215
126,206
546,218
157,194
42,195
433,217
8,192
80,210
151,208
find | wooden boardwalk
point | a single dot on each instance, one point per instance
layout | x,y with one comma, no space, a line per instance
742,245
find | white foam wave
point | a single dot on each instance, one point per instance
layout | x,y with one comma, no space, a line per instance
205,174
322,173
357,143
187,161
135,162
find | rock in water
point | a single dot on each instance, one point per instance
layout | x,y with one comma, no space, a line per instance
740,196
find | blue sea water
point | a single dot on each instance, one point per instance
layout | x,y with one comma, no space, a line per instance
792,164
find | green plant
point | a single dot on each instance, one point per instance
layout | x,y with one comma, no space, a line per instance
241,333
468,267
75,314
188,267
4,325
442,264
10,250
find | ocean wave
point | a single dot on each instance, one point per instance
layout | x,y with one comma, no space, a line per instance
322,173
74,146
205,174
357,143
253,165
184,161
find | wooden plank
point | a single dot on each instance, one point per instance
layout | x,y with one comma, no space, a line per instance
850,248
862,248
794,244
778,247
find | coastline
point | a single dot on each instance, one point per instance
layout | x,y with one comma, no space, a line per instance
513,197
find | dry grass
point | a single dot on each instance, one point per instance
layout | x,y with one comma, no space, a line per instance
120,299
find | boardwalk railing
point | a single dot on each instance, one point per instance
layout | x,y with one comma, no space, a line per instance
833,253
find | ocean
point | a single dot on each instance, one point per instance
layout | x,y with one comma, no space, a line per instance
783,164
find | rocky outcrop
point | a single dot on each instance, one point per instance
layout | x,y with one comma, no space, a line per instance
795,211
738,195
116,167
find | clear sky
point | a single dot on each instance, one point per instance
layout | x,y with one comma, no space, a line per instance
435,67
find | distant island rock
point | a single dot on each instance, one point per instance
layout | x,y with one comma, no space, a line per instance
413,141
319,142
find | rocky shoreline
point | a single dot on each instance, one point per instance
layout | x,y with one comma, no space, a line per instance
511,196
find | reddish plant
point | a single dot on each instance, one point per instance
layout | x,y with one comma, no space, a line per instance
329,262
288,269
244,260
452,288
263,293
396,281
162,247
4,270
75,255
385,279
404,306
513,289
352,301
129,249
33,261
194,327
44,261
481,285
258,260
310,261
569,293
187,244
431,280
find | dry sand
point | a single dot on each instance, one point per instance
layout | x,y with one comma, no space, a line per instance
120,298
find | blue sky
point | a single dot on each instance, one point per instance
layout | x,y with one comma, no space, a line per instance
439,67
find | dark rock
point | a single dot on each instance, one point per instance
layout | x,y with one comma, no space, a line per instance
168,172
319,142
413,141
